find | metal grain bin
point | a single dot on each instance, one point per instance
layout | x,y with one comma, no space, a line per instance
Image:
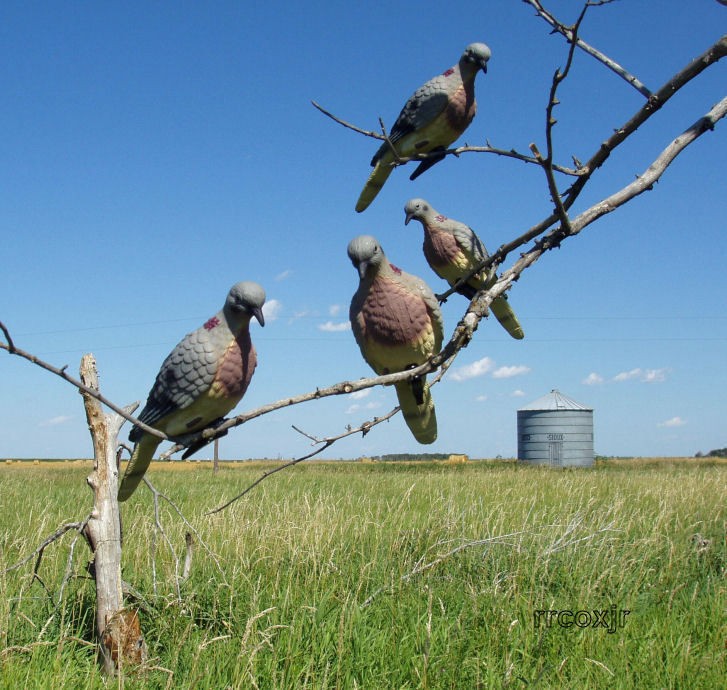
555,430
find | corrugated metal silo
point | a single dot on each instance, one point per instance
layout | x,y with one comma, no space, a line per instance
555,430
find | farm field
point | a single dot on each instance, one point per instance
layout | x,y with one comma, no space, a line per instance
382,575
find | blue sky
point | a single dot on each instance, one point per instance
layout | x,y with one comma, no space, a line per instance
155,153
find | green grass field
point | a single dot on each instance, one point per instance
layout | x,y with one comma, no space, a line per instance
353,575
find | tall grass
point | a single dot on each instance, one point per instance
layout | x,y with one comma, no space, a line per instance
384,576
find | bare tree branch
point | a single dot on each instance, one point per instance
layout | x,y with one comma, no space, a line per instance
657,100
652,174
550,122
160,495
11,349
78,526
402,160
325,443
570,35
365,132
692,70
643,183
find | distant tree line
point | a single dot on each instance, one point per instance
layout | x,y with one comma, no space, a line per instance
717,453
409,457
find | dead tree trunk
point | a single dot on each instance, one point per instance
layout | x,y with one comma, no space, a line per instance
118,629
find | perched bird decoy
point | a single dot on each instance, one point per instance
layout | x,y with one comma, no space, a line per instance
436,115
453,250
398,325
201,380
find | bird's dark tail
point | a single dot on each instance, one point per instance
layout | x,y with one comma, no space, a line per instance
427,163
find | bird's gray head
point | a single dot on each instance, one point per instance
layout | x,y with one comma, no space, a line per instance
476,54
418,209
246,299
366,254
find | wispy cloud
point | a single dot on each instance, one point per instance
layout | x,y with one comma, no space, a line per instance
654,375
368,406
55,421
334,310
642,375
627,375
358,395
300,314
593,379
509,372
481,398
517,393
330,327
283,275
673,422
471,371
272,309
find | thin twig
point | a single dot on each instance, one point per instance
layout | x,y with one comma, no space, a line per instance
570,35
69,561
190,526
325,443
160,530
365,132
78,526
10,345
547,162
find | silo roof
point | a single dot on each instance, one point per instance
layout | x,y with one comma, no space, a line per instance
555,400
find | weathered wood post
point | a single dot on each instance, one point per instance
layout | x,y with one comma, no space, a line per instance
118,629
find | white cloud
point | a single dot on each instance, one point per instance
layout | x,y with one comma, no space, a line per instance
627,375
481,398
509,372
471,371
55,421
330,327
356,407
282,276
643,375
358,395
592,379
334,310
654,376
673,422
485,366
272,309
517,393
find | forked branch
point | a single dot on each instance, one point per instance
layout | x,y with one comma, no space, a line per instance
571,35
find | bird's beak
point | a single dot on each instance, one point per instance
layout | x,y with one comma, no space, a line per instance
483,65
409,216
362,268
258,314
